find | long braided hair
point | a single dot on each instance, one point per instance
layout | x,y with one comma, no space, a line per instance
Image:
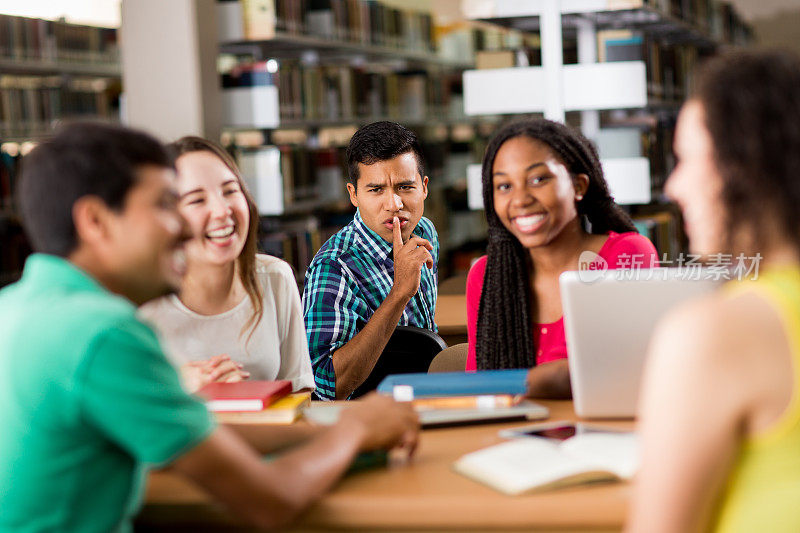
508,302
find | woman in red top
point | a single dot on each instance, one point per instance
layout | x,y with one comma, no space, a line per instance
546,203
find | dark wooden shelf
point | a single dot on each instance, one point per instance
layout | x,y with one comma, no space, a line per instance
287,45
40,67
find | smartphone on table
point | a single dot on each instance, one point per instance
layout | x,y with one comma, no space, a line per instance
556,431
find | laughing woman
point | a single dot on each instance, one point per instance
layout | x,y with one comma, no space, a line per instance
238,313
546,203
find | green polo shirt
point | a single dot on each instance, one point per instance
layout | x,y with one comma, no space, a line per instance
87,402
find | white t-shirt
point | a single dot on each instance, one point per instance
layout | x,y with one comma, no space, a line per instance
278,347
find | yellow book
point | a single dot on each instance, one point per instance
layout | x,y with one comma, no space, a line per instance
284,411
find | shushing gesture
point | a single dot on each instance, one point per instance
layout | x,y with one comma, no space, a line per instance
408,261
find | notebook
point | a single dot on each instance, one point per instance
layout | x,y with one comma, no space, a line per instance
534,464
458,383
244,395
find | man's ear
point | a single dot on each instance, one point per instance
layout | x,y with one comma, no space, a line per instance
351,190
91,217
424,187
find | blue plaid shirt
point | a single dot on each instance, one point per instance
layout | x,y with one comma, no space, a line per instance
347,281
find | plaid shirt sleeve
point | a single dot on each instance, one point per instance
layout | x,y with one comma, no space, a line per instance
333,314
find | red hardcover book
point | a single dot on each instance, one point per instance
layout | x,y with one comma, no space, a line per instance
244,395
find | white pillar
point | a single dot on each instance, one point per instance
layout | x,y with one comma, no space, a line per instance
169,74
587,53
552,58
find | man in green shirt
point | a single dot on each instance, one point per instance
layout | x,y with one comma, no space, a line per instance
88,399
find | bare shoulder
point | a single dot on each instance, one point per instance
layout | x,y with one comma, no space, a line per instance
721,322
720,343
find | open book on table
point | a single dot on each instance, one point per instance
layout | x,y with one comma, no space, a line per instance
528,463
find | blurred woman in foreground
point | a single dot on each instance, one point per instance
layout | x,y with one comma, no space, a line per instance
720,411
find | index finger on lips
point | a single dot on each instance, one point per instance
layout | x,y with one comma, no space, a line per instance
398,235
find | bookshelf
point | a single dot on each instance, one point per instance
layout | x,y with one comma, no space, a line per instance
287,45
49,67
636,56
50,71
286,93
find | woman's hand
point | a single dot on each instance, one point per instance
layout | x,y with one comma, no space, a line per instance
549,381
198,374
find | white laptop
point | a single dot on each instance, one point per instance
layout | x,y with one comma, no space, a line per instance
609,318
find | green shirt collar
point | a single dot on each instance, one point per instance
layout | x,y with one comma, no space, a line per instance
50,270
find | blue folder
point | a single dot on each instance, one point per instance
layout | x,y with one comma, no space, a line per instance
459,383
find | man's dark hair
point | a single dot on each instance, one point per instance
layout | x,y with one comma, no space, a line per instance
82,159
508,303
381,141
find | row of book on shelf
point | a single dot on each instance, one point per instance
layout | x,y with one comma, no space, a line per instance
341,92
669,66
715,18
25,38
345,92
29,105
297,241
366,22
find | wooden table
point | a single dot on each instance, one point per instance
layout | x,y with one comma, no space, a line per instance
423,495
451,317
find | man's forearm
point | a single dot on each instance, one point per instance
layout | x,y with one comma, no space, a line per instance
271,439
354,361
271,494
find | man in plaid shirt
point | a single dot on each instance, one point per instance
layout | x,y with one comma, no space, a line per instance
377,272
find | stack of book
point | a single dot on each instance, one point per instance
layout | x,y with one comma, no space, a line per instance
255,402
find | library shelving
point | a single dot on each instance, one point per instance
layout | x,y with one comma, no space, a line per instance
50,71
617,68
308,83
